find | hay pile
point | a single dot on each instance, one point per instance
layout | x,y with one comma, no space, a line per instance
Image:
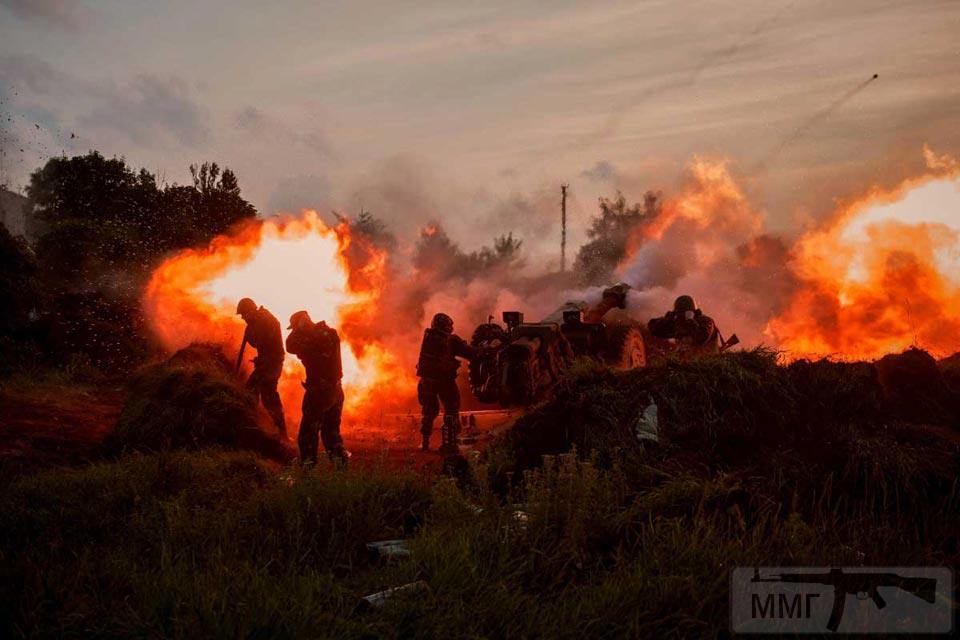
190,401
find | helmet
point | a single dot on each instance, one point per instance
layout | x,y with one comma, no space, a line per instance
298,318
443,322
246,306
684,304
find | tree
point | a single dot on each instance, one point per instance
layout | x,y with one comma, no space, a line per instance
435,252
219,205
18,284
107,227
21,298
95,211
505,253
103,218
609,233
374,230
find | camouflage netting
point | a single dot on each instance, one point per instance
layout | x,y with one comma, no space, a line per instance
190,401
745,409
915,389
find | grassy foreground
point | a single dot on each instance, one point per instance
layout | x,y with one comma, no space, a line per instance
569,527
217,544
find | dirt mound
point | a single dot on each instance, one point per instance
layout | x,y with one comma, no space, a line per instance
190,401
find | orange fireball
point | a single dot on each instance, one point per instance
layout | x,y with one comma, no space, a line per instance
882,275
284,265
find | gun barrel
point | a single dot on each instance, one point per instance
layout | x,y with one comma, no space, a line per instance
923,588
799,578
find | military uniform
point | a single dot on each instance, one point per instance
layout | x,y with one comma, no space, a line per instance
318,347
437,368
698,332
263,334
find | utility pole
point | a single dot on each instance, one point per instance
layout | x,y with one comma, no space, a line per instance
563,227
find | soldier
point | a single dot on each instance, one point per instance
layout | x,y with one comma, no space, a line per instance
263,334
437,368
318,347
688,326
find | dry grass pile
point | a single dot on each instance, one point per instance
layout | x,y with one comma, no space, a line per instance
190,401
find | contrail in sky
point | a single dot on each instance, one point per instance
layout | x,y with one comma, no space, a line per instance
713,59
816,119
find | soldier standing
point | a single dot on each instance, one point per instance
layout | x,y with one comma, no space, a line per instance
437,368
318,347
688,326
263,334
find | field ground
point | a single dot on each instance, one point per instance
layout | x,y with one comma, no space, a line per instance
564,526
65,424
49,426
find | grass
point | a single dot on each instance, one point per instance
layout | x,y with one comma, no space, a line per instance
571,527
199,544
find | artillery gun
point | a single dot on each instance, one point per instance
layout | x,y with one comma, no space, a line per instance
520,362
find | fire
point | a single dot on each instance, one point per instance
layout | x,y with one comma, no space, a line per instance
285,266
881,275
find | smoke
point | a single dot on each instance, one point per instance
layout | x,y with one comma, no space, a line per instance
708,241
820,294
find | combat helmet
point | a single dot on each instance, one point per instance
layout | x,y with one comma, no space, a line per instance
246,306
443,322
684,303
298,318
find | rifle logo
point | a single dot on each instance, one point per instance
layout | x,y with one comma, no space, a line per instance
841,600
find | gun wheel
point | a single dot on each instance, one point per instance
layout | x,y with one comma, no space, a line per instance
625,349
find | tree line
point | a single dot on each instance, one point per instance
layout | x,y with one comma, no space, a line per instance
74,297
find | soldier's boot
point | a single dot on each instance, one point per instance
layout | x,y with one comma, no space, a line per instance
426,429
448,433
339,456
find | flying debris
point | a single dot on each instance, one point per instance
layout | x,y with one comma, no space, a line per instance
876,75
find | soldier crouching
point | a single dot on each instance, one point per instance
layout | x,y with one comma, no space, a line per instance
437,368
694,332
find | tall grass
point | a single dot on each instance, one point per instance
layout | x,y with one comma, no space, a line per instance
221,544
569,528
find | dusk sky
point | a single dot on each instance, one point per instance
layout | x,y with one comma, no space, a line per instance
477,111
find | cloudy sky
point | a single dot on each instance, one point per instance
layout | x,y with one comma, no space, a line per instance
476,111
